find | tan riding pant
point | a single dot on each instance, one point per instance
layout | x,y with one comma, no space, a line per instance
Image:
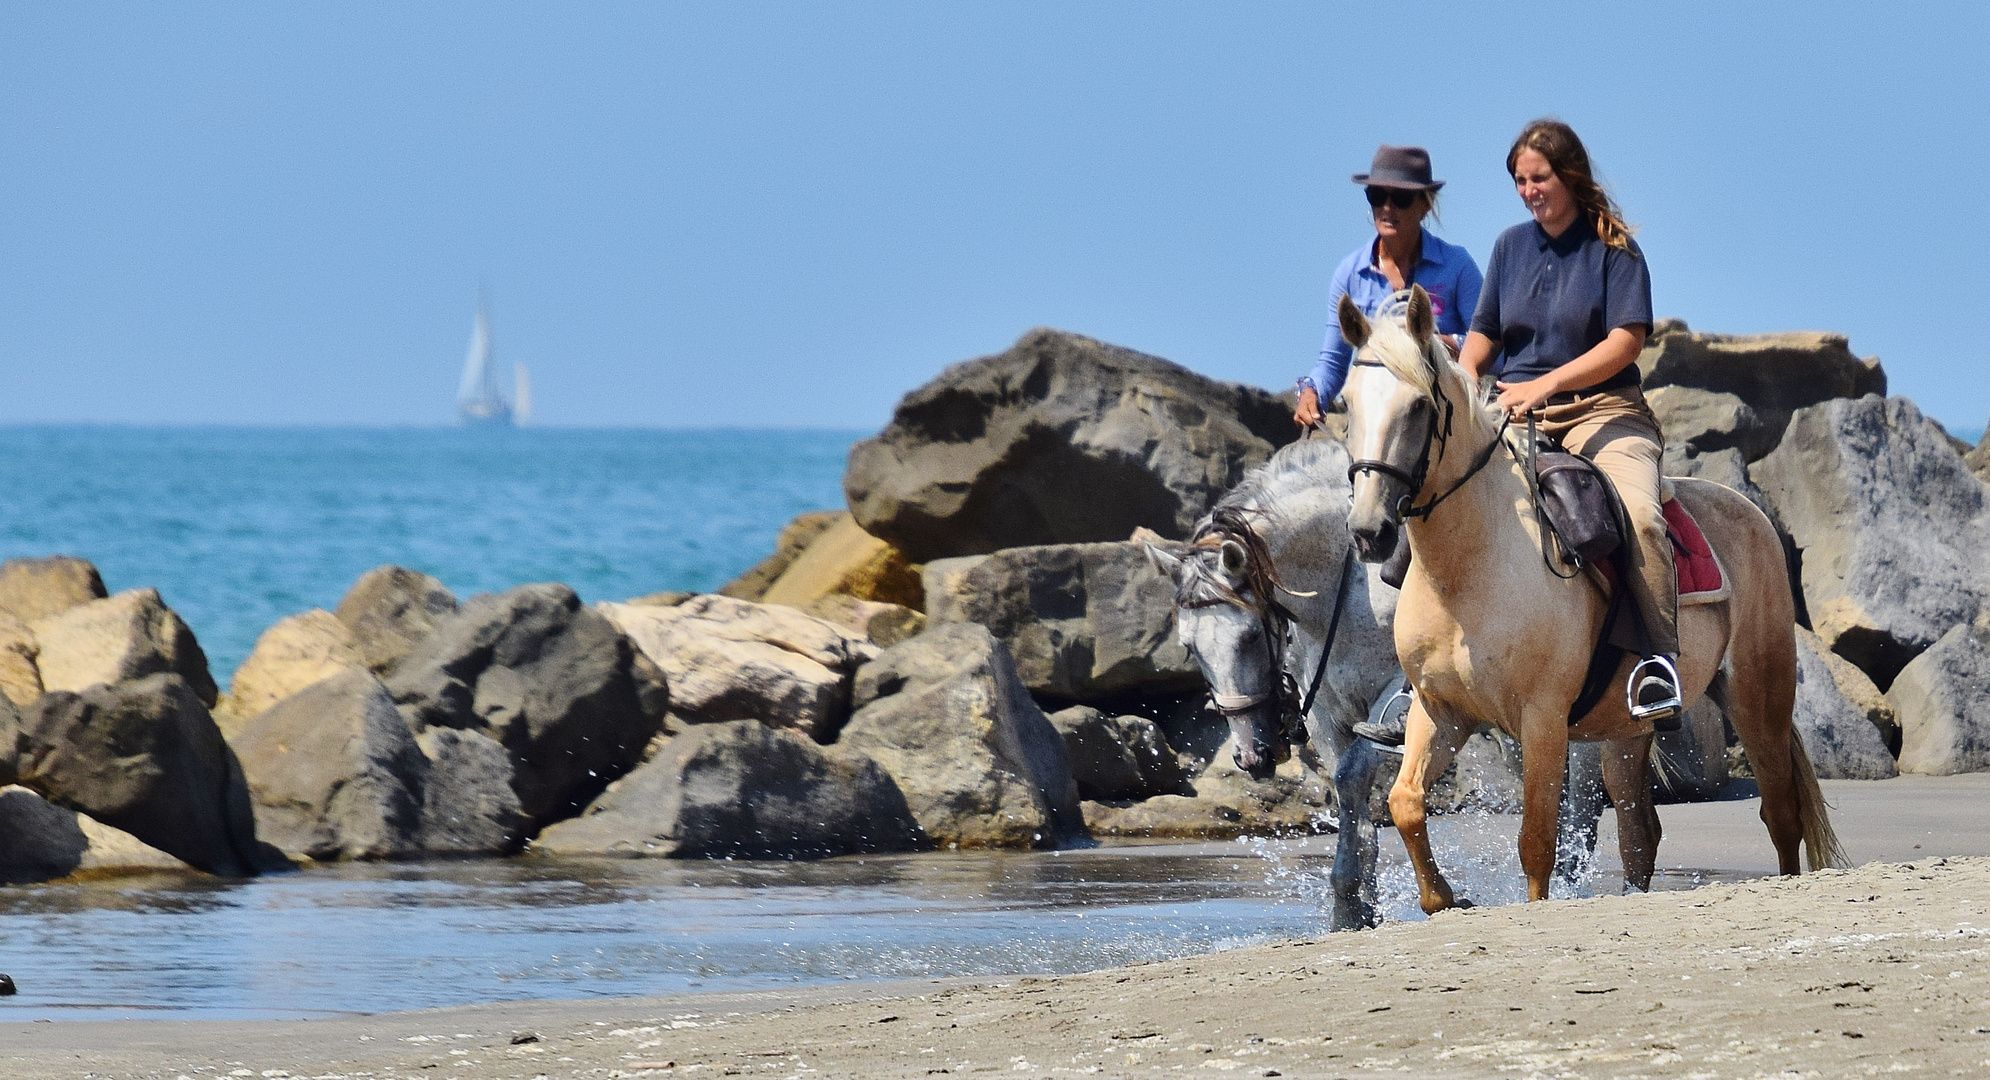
1616,429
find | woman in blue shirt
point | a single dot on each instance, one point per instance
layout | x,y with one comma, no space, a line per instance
1567,305
1400,194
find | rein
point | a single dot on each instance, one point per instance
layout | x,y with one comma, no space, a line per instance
1406,507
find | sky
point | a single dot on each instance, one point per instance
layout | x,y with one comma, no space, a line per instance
788,215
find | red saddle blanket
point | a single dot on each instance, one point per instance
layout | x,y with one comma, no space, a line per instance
1692,558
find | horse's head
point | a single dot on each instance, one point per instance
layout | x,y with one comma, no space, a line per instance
1227,618
1395,414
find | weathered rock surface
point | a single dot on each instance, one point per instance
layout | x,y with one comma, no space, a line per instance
1892,527
1699,422
117,639
743,789
727,659
468,805
979,764
1083,621
388,610
1943,701
1222,803
795,536
550,680
1843,743
1858,690
40,841
1061,439
33,589
1978,460
885,624
142,756
20,680
335,773
293,653
1774,375
845,560
1118,757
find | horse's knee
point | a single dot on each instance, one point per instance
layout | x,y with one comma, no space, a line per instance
1406,805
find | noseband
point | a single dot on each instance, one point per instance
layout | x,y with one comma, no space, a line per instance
1433,432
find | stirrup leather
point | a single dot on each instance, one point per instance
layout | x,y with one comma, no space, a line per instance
1658,711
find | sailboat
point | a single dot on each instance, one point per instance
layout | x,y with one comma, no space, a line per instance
480,401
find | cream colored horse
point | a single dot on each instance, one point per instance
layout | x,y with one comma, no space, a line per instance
1485,628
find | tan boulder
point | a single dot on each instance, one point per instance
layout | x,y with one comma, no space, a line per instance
292,654
795,536
33,589
20,681
885,624
388,610
846,560
117,639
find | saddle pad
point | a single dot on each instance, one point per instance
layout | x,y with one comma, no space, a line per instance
1700,578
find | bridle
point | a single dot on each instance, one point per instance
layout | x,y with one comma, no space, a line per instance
1440,434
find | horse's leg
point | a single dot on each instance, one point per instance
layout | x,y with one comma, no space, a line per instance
1427,752
1354,854
1760,700
1583,800
1543,761
1627,776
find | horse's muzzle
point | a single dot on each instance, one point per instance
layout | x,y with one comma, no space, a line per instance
1375,543
1259,760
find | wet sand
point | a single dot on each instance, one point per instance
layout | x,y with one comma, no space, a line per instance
1845,973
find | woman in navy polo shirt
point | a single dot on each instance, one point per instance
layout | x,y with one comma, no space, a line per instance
1566,307
1400,194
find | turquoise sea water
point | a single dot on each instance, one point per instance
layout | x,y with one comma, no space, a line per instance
238,527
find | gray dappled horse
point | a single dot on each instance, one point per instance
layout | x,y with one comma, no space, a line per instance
1272,553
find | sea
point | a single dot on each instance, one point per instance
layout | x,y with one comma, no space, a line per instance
239,527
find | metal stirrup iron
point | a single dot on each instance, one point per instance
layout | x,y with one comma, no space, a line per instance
1654,667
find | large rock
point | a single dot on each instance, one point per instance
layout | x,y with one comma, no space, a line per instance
1118,757
1858,690
20,679
40,841
1843,742
549,679
844,560
117,639
795,536
468,805
33,589
142,756
1773,375
292,654
1978,459
1943,700
1698,422
727,659
388,610
335,773
742,789
885,624
1893,531
978,762
1221,803
1083,621
1061,439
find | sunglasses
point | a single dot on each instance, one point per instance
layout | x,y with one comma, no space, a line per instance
1397,197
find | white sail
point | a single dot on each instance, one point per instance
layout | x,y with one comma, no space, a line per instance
521,394
478,398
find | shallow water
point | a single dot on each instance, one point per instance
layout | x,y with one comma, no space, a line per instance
373,938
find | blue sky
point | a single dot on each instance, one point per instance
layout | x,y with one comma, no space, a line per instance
788,215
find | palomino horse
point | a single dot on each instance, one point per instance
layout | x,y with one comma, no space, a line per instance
1272,555
1486,628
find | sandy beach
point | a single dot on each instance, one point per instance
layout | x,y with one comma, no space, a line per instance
1845,973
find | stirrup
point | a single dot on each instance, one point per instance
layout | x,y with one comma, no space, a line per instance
1664,713
1387,725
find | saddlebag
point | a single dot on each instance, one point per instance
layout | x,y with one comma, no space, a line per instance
1575,497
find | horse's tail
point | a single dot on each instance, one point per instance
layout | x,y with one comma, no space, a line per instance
1820,840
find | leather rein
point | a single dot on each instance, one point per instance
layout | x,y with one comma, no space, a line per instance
1413,481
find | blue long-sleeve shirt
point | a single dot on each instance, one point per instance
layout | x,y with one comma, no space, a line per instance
1446,271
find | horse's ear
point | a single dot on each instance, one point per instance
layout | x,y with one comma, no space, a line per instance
1422,322
1353,324
1165,563
1235,559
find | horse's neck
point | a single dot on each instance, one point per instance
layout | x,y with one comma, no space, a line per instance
1484,523
1307,538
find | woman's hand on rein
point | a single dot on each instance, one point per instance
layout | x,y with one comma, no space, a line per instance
1519,399
1308,412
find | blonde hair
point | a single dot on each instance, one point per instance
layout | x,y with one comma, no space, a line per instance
1558,142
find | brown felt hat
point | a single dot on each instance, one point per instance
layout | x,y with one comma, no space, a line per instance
1406,167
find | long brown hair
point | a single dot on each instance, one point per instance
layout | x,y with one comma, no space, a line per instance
1557,142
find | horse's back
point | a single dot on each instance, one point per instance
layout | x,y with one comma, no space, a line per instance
1748,547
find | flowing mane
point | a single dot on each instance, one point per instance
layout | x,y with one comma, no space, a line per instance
1427,369
1256,506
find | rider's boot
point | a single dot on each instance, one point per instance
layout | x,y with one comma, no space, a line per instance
1388,722
1653,692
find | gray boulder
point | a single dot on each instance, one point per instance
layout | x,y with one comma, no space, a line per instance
388,610
1774,375
980,765
727,659
1943,700
1083,621
142,756
1060,440
1118,757
468,805
40,841
117,639
33,589
547,678
1698,422
1893,532
334,772
742,789
1841,739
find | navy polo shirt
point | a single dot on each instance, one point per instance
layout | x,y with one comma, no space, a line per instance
1548,300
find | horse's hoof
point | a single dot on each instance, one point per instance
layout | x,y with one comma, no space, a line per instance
1463,904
